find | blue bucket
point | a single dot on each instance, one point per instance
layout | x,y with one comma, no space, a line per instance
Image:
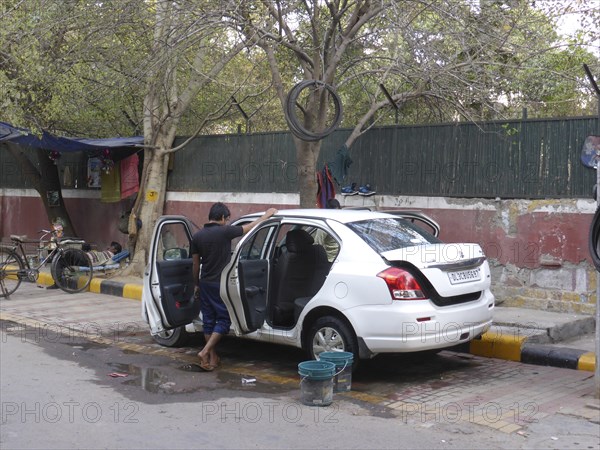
342,380
316,385
316,370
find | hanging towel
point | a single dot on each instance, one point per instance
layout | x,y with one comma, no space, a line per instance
111,185
67,178
130,182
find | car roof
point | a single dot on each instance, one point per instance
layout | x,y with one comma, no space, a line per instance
341,215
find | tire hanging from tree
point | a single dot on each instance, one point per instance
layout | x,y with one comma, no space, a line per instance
292,118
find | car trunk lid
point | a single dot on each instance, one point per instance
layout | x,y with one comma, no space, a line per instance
452,269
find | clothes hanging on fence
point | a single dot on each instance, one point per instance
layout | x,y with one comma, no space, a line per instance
325,187
340,164
130,182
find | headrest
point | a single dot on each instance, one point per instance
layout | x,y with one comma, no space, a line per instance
298,240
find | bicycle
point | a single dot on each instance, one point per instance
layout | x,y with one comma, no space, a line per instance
71,268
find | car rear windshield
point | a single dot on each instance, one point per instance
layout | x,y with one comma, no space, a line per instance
391,233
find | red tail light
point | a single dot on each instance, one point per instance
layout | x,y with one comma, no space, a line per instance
402,284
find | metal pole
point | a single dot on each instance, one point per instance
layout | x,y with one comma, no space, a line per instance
597,367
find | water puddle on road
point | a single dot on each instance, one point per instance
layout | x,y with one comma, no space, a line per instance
240,382
169,381
86,345
247,382
148,378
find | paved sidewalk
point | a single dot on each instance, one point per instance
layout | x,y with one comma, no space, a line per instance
518,334
451,390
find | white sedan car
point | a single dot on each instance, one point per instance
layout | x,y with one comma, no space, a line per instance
325,280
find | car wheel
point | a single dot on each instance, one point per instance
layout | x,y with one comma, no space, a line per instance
172,338
330,334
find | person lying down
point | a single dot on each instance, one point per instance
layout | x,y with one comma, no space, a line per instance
100,257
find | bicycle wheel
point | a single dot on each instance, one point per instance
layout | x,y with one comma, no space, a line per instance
10,266
72,270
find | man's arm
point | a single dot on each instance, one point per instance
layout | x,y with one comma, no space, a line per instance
246,228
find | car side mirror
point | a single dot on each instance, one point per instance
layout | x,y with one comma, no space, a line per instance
176,253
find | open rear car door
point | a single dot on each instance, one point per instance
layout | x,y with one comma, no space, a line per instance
245,280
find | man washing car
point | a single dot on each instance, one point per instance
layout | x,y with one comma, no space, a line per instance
211,247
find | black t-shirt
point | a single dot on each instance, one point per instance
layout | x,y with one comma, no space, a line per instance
213,244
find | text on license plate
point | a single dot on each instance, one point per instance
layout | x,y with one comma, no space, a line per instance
464,276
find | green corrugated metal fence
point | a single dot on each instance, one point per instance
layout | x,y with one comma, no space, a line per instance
517,159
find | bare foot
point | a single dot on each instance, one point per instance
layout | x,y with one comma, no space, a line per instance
205,361
215,361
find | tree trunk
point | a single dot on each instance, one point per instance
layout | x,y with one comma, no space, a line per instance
45,179
148,207
51,194
307,154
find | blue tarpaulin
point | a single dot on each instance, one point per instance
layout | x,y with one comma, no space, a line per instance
48,141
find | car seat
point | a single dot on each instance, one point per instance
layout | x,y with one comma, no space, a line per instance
300,272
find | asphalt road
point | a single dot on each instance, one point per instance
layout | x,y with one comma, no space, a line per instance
80,371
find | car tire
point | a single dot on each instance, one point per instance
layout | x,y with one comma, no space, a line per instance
172,338
337,332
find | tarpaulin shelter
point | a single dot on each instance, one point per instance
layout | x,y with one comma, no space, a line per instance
102,154
50,142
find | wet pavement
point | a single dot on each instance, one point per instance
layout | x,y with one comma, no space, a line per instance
540,337
453,388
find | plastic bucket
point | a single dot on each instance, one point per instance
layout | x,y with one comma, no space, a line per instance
316,385
342,381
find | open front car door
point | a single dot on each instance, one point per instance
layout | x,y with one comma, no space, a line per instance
168,296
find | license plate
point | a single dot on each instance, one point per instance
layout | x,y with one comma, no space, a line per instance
465,276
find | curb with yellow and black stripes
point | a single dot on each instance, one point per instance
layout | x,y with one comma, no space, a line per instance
493,344
514,347
104,286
